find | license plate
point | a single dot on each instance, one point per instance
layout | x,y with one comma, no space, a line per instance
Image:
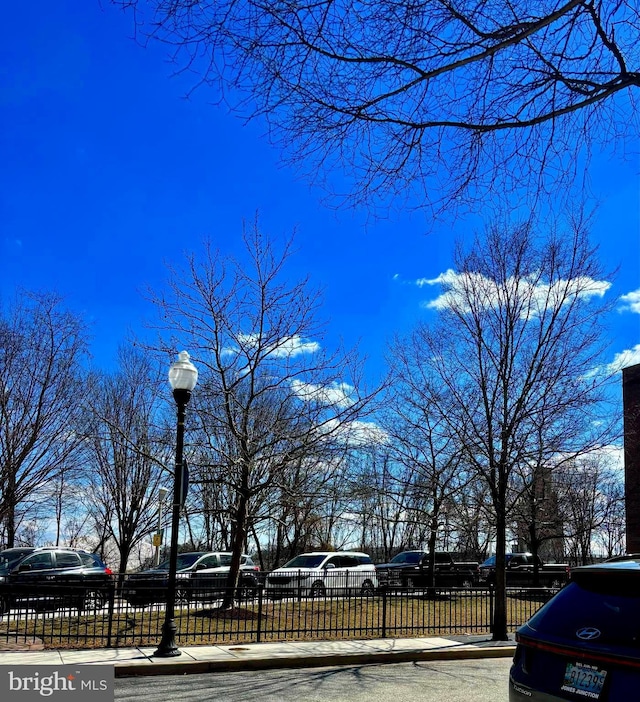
584,680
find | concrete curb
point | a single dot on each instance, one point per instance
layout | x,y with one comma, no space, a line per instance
184,667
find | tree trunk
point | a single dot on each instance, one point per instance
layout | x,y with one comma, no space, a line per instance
433,534
10,513
535,548
500,611
125,553
238,539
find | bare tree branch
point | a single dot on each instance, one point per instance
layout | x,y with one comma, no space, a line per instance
446,99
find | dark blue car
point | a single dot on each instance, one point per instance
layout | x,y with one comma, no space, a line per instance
584,644
50,577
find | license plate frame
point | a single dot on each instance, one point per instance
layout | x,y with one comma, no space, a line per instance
584,680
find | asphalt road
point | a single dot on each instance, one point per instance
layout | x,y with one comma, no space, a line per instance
482,680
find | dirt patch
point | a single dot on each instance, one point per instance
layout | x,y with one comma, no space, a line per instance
15,642
228,613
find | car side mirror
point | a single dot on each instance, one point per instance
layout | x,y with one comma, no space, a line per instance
330,566
24,567
201,566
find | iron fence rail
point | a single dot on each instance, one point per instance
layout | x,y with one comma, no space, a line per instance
111,621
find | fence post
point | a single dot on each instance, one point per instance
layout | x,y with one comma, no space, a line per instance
299,586
384,611
491,607
259,631
111,594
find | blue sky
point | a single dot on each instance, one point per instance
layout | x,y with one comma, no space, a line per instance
108,172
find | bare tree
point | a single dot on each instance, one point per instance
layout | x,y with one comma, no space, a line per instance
127,452
588,492
467,96
421,439
392,497
310,496
270,395
467,514
517,344
69,508
42,348
378,501
611,534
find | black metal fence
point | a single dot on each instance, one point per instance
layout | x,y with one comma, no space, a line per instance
69,619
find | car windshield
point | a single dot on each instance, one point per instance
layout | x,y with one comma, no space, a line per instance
407,557
609,604
185,560
9,558
306,561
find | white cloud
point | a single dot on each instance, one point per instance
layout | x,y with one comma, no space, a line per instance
366,433
608,456
294,346
357,433
335,394
286,347
446,278
631,302
612,455
628,357
485,292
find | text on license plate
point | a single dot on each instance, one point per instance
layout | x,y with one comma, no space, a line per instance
584,680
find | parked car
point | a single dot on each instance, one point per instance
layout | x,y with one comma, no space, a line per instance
585,642
324,572
200,575
410,569
623,557
520,571
50,577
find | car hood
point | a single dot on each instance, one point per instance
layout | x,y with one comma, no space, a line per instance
396,566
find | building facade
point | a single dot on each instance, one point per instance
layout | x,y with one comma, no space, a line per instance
631,413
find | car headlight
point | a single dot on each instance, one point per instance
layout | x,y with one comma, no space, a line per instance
182,576
2,578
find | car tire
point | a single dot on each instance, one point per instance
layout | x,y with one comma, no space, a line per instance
92,600
246,591
467,583
182,596
556,584
136,601
367,589
318,589
4,605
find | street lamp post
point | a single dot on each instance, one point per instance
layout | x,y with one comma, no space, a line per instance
183,376
162,494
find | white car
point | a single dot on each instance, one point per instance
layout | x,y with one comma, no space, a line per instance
324,572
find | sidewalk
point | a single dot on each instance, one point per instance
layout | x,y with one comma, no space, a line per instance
204,659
